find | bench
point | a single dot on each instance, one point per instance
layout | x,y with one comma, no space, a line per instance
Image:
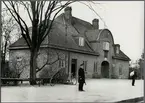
15,81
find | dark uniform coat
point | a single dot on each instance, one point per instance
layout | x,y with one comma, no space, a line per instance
81,74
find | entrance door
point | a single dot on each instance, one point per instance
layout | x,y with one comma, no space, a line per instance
105,69
73,67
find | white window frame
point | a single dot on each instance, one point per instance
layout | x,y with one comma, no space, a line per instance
106,46
81,41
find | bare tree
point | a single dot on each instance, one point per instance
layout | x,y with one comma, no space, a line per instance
18,65
41,24
9,26
42,15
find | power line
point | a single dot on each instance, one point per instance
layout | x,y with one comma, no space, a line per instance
90,7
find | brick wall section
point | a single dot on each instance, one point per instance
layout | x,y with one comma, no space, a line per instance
98,46
83,57
124,69
47,71
106,35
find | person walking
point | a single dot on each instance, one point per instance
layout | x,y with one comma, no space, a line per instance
133,75
81,78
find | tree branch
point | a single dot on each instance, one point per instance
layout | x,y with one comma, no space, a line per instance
27,8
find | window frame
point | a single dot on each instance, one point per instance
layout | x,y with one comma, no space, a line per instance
81,41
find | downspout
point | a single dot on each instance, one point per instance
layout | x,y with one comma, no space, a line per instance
68,67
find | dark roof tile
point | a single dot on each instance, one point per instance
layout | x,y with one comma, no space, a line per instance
121,56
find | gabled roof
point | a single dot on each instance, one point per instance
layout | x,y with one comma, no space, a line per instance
90,34
121,56
60,39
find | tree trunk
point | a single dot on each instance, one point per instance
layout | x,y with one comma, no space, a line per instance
33,65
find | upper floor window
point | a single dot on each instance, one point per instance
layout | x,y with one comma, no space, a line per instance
106,46
117,50
81,41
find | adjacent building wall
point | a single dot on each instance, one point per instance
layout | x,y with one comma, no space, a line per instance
83,57
121,69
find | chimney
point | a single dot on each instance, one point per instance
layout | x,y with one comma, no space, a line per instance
95,23
68,14
117,48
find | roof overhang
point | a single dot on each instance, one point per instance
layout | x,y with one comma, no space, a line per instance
57,47
121,58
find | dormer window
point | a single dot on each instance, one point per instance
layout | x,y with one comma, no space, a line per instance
81,41
117,48
106,46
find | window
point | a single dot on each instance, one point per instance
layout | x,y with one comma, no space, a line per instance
61,63
105,54
120,70
95,67
85,65
81,41
106,46
117,50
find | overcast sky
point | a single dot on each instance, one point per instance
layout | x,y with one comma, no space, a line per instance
125,19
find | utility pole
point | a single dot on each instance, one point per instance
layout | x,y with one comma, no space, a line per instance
0,39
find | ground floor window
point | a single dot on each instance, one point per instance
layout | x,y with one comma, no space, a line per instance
120,70
95,67
62,63
85,66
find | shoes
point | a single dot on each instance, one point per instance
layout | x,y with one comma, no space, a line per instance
82,90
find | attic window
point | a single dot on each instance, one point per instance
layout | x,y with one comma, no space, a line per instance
117,50
81,41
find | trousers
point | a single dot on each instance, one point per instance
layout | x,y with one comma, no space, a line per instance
81,84
133,82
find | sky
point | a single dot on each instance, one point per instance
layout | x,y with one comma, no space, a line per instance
125,20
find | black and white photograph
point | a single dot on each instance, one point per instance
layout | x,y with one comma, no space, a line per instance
72,51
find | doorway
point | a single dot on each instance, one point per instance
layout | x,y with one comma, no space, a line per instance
73,67
105,69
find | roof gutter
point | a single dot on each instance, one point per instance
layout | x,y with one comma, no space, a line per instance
125,59
57,47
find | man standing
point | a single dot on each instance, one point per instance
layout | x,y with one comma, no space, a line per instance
81,78
134,77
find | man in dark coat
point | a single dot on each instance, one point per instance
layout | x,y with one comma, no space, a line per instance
81,78
134,77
